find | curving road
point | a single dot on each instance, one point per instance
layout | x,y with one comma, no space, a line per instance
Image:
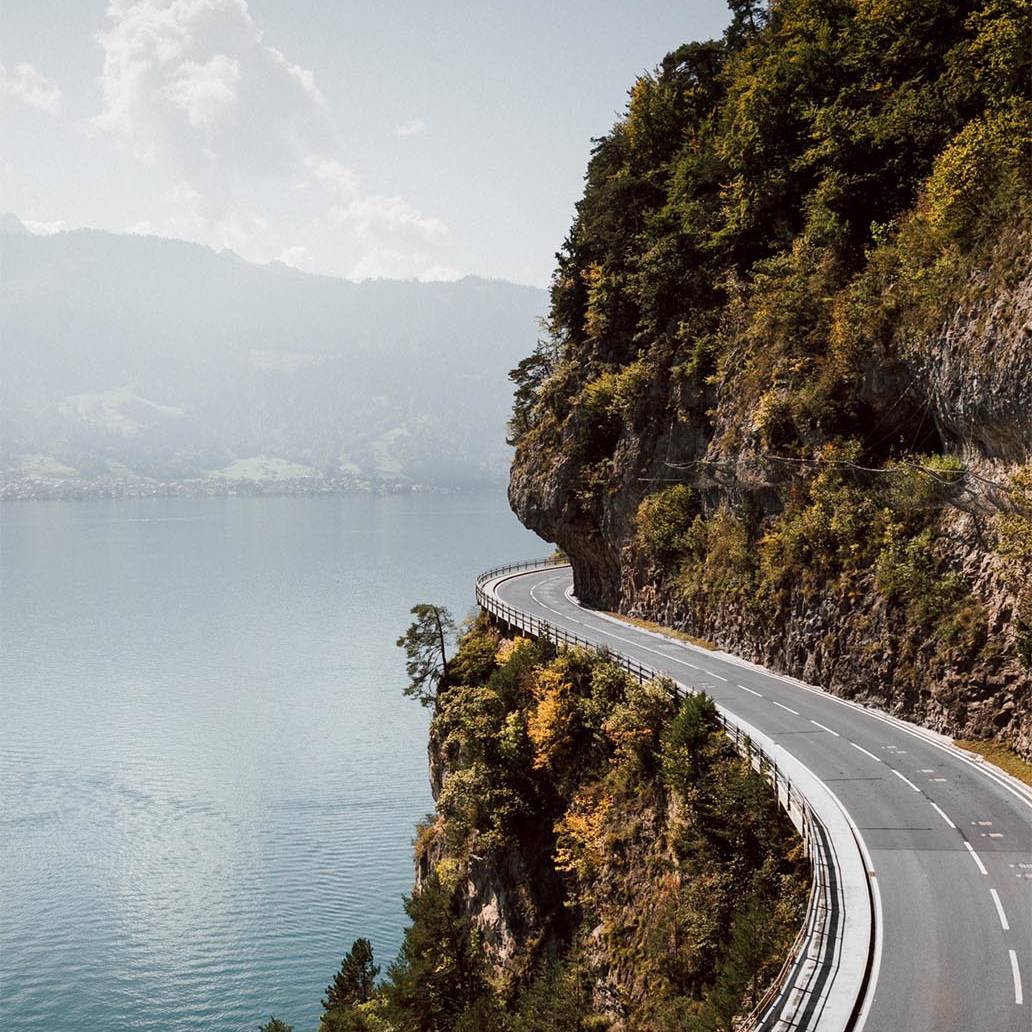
949,838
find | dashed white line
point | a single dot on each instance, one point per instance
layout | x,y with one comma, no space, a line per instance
817,723
1019,997
717,676
905,779
1000,910
866,752
975,857
781,705
751,691
942,813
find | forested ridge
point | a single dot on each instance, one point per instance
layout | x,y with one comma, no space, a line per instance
599,856
785,399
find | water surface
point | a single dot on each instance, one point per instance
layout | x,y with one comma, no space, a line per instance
208,775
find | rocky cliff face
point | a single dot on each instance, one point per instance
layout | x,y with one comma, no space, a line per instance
787,399
971,382
593,840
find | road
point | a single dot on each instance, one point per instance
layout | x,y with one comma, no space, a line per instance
949,838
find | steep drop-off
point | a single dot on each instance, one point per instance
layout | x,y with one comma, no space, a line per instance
786,401
598,859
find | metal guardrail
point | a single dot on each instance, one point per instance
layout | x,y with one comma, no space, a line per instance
792,999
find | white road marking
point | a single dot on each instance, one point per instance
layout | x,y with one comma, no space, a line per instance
866,752
717,676
926,737
1019,998
905,779
942,813
751,691
999,909
784,707
817,723
975,857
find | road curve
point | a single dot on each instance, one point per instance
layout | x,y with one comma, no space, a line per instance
949,837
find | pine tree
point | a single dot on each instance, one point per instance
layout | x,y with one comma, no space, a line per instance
424,645
355,981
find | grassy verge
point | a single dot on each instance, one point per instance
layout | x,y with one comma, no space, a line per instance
1004,758
670,632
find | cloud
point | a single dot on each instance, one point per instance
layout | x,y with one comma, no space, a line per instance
191,85
24,83
45,228
297,256
412,128
205,92
245,137
374,217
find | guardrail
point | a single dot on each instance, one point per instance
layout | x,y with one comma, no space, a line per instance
792,999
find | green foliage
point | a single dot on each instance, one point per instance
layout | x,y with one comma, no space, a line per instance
685,737
355,980
632,834
663,520
275,1025
439,967
425,645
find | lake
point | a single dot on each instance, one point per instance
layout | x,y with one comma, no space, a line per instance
209,777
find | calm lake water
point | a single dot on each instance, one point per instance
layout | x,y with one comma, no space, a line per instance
209,777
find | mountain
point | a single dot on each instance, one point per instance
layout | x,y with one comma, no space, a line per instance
787,405
133,363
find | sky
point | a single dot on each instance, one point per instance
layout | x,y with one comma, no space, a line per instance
393,139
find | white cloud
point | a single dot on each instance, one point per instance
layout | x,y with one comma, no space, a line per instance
386,263
245,137
297,256
24,83
412,128
45,228
338,178
374,217
189,84
206,92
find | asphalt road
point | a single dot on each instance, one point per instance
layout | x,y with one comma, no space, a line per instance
950,841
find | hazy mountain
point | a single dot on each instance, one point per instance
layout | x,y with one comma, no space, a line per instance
126,356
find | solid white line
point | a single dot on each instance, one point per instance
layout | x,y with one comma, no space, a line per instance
1019,998
751,691
877,759
942,813
823,728
999,909
784,707
975,857
1022,795
907,780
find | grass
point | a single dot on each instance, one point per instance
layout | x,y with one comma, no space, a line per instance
1004,757
670,632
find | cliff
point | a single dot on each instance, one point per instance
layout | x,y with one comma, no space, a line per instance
598,858
786,403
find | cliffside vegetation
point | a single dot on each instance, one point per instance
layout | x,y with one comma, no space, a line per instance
600,858
786,398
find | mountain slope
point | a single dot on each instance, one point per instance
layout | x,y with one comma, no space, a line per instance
135,356
786,399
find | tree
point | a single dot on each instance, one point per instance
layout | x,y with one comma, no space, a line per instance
275,1025
528,376
356,979
424,645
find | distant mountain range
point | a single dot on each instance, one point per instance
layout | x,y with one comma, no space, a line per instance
134,364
